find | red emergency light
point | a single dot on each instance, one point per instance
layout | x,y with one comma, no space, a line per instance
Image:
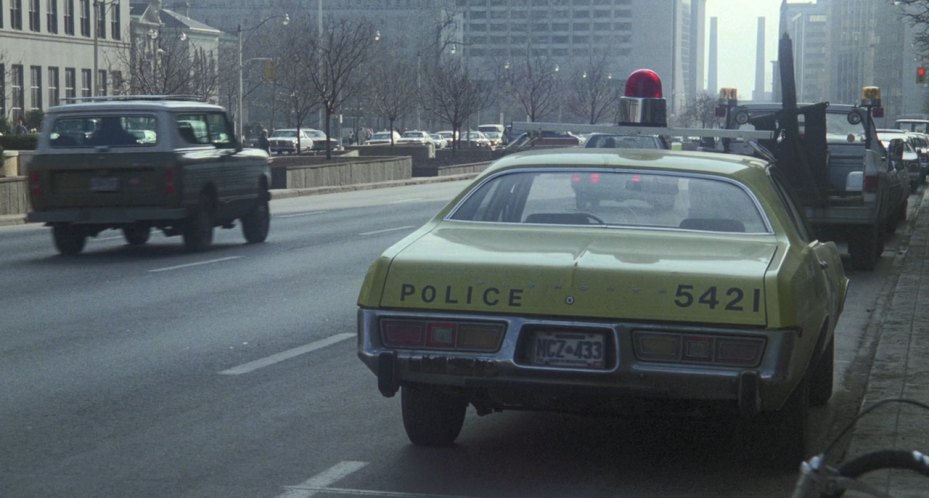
643,104
643,83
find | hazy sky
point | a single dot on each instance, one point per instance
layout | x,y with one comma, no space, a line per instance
738,29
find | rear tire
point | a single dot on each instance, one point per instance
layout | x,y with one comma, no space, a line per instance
198,229
136,235
778,438
257,223
864,247
431,418
822,381
68,239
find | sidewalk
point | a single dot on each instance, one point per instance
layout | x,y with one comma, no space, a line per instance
901,370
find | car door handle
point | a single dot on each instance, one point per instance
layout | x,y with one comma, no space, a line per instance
823,265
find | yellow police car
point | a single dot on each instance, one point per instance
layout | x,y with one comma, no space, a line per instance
516,296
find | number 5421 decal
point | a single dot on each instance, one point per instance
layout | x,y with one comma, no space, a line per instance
731,299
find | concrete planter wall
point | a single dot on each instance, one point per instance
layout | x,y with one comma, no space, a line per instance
10,166
307,171
13,196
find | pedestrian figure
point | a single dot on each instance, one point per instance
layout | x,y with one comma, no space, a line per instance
263,142
20,128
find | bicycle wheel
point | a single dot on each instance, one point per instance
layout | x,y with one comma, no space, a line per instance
879,460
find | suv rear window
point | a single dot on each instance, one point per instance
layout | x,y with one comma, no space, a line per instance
126,130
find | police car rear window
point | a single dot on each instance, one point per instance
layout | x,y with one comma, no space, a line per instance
110,130
607,197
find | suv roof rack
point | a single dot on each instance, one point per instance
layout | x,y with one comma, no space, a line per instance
122,98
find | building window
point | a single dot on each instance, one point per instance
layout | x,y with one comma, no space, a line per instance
2,86
1,25
16,92
85,18
51,16
70,83
101,19
34,15
69,17
116,78
114,22
16,14
53,96
35,88
101,82
86,84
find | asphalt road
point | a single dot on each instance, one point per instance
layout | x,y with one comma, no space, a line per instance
149,371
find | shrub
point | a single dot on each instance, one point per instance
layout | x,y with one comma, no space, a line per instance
19,142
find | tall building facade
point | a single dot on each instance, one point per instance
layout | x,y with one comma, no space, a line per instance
57,49
806,24
666,36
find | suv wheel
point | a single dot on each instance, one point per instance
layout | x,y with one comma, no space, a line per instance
198,229
864,247
255,225
136,235
821,384
68,239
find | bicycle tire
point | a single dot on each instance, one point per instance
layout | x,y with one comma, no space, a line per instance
885,459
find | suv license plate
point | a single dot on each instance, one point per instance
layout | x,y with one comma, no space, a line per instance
568,349
104,184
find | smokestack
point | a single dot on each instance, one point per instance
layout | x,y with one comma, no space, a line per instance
758,94
711,82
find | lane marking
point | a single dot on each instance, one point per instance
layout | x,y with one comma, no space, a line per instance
312,485
366,492
295,215
411,199
286,355
386,230
105,239
199,263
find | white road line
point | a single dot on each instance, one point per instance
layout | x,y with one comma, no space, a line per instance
312,485
295,215
199,263
286,355
386,230
367,492
105,239
411,199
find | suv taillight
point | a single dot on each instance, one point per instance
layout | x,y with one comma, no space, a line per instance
170,186
35,184
871,183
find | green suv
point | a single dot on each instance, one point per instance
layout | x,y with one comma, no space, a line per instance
142,163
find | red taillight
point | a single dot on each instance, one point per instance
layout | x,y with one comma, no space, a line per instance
595,178
871,183
170,186
644,83
35,184
636,179
669,347
444,335
575,178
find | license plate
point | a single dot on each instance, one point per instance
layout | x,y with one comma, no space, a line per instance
104,184
569,349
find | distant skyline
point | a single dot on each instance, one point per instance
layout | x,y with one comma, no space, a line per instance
738,30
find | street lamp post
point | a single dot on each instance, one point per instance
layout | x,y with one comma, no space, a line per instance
239,100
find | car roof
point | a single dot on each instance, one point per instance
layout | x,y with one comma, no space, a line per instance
141,103
715,163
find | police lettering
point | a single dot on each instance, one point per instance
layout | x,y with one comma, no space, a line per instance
490,296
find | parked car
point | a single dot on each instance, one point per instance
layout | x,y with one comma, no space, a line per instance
474,139
415,137
439,140
285,140
138,165
892,138
620,141
495,138
545,139
383,138
512,298
319,139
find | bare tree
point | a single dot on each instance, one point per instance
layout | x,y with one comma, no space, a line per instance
453,94
295,72
917,13
392,84
700,111
591,92
532,82
344,47
171,65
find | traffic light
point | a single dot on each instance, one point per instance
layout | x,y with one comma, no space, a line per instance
921,74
